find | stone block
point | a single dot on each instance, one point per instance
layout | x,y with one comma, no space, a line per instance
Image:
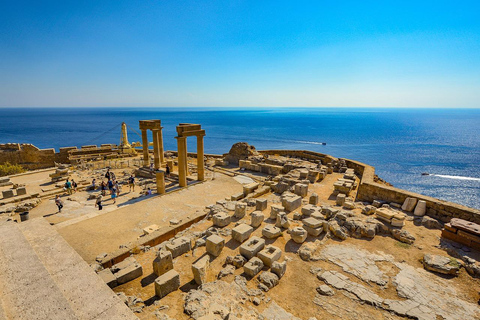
312,222
179,246
261,204
215,245
313,199
221,219
237,196
108,277
7,194
465,225
340,199
269,255
271,232
249,188
242,232
251,247
166,283
314,232
282,221
292,202
129,273
350,205
240,210
257,219
274,210
298,234
420,208
163,262
253,267
200,268
409,204
150,229
303,173
301,189
397,223
21,191
313,176
369,210
279,268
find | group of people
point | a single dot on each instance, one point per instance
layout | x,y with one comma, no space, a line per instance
112,185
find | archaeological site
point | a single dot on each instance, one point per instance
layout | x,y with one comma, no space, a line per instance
249,234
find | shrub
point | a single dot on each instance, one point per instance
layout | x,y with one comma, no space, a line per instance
7,169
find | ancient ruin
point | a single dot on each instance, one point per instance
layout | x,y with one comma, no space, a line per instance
263,234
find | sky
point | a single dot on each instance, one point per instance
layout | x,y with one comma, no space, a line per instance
240,53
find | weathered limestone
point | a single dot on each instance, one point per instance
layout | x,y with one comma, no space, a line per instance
269,255
403,236
369,210
398,220
108,277
150,229
274,210
309,209
253,267
127,270
336,230
250,248
250,188
271,232
158,152
167,283
221,219
279,268
441,264
421,208
409,204
240,210
298,234
261,204
7,194
340,199
21,191
237,196
257,219
313,199
462,231
301,189
282,221
179,246
200,268
215,245
163,262
350,205
242,232
291,201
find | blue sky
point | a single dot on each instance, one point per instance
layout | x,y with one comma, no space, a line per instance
240,53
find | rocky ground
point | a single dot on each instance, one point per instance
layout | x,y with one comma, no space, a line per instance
326,277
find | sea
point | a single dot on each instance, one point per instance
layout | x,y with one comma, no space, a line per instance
400,143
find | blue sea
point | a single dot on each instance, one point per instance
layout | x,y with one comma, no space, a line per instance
400,143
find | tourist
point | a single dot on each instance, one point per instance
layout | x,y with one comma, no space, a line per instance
148,192
74,186
110,185
68,186
59,203
98,202
167,171
93,183
131,183
117,186
103,186
107,174
151,167
114,195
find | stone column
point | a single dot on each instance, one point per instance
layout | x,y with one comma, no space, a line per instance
160,175
146,158
200,159
156,153
182,160
160,146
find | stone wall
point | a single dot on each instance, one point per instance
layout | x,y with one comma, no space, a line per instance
369,190
27,155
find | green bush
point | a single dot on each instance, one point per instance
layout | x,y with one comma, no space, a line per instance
7,169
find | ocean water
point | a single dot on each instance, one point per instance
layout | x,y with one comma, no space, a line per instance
400,143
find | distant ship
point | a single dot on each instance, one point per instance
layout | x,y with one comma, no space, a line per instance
425,174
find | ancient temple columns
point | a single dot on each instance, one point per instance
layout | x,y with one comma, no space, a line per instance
160,175
158,155
185,130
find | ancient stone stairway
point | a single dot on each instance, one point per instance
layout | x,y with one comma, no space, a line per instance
42,277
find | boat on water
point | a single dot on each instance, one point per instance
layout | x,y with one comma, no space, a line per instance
425,174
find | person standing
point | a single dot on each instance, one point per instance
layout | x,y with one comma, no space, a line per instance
110,185
68,186
114,195
131,183
107,174
98,202
104,188
117,186
74,186
167,171
59,203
